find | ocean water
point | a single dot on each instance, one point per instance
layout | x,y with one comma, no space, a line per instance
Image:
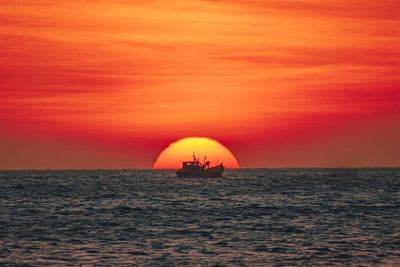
253,217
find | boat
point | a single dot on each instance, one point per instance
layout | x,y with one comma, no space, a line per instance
195,168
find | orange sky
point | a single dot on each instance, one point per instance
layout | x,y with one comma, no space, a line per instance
281,83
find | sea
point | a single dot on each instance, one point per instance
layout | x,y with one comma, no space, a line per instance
249,217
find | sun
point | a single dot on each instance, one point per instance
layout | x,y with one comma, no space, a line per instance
183,149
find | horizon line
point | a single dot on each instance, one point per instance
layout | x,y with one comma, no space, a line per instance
171,169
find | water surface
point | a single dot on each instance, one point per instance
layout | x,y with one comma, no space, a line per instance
253,217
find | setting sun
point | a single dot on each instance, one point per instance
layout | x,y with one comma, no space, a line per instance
183,149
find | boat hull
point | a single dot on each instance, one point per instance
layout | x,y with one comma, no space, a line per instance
212,172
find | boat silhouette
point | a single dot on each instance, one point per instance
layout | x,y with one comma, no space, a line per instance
195,168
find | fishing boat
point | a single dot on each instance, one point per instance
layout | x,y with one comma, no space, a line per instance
195,168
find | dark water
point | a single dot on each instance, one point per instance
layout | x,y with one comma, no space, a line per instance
250,218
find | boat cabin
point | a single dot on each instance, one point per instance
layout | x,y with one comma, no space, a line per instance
189,163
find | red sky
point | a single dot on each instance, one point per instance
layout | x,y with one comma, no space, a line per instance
282,83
